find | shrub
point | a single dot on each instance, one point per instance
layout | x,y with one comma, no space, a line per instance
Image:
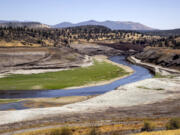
63,131
66,131
55,132
93,131
173,124
148,126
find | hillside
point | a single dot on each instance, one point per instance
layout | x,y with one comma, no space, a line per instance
173,32
160,56
24,36
38,58
30,37
114,25
15,24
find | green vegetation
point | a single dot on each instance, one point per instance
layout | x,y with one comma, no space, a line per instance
158,75
143,87
8,100
173,124
148,126
159,89
146,88
100,71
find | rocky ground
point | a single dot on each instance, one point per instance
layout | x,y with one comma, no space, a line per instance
94,49
164,57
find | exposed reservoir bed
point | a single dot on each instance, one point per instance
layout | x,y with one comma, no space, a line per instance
140,73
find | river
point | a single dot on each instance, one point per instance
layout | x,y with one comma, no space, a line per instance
140,73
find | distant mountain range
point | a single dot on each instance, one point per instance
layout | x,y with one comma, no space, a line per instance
114,25
22,24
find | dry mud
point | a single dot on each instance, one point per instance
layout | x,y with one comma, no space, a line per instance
146,92
39,60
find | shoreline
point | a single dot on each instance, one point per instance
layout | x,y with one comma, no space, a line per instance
86,63
139,93
134,94
156,69
99,58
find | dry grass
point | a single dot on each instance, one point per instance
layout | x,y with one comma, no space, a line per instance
42,132
16,44
25,49
2,101
169,132
176,51
79,130
178,39
87,130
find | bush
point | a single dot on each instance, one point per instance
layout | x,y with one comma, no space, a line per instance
55,132
148,126
66,131
63,131
93,131
173,124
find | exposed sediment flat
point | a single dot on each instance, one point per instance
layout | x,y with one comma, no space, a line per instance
39,60
144,92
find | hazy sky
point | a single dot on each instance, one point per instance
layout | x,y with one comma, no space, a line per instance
162,14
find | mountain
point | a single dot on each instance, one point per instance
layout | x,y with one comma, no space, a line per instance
114,25
22,24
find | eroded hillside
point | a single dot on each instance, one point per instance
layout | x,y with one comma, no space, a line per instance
39,58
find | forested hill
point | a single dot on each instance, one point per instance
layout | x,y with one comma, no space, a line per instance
114,25
174,32
24,36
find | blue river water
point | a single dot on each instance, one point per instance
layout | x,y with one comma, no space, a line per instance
140,73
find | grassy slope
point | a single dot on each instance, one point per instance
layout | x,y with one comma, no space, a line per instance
2,101
100,71
169,132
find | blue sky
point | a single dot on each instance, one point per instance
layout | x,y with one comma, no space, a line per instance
162,14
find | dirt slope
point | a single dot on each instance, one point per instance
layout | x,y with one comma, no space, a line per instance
38,58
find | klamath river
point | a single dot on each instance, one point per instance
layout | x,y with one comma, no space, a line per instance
140,73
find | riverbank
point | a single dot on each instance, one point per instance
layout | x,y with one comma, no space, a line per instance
139,93
103,58
155,68
150,98
100,71
86,62
15,60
